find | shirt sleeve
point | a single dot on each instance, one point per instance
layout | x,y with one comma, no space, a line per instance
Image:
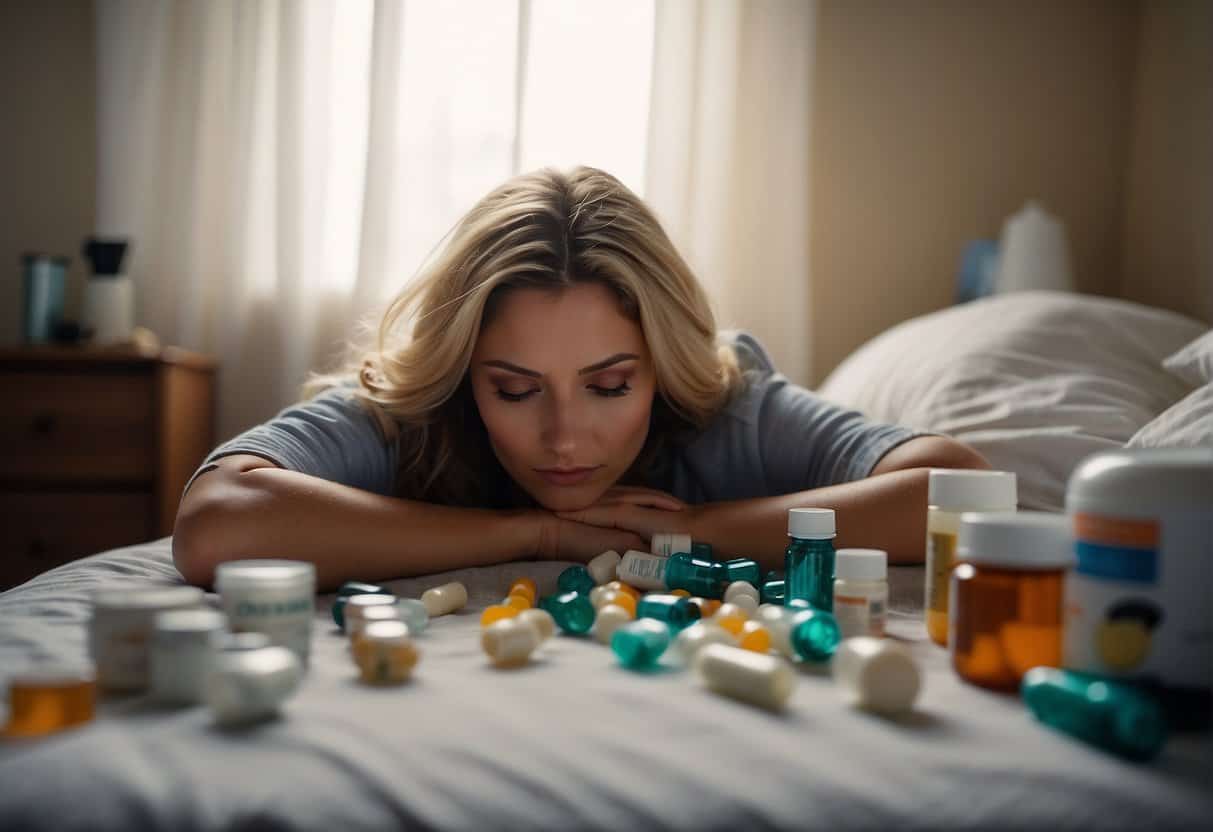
331,436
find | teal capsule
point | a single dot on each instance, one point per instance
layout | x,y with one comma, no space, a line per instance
1114,716
743,569
674,610
348,589
575,579
640,643
814,635
572,611
702,578
414,614
773,591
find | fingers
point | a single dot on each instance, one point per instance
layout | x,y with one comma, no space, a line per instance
602,516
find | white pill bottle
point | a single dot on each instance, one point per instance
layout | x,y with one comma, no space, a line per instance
275,597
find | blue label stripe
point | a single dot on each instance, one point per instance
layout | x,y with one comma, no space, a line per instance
1117,562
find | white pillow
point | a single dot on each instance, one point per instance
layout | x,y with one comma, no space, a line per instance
1186,424
1194,363
1036,381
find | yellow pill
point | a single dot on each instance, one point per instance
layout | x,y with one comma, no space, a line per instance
519,602
385,654
621,599
681,593
496,613
707,606
754,636
526,587
731,624
620,586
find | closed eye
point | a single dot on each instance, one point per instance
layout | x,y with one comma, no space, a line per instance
605,392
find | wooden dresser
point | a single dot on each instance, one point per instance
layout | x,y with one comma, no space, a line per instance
96,445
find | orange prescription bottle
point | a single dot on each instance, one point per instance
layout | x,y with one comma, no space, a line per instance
43,702
1005,614
950,493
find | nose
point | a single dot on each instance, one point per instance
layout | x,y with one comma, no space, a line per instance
564,423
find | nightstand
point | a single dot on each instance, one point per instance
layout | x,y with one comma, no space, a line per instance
96,445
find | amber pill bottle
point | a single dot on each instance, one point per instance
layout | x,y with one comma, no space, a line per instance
1005,603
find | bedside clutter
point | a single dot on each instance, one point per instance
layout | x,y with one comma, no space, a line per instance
95,448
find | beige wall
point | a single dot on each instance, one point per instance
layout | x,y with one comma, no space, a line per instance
47,143
935,119
1168,241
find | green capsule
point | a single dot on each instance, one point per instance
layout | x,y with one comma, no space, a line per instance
575,579
1114,716
640,643
743,569
572,611
674,610
348,589
814,635
701,578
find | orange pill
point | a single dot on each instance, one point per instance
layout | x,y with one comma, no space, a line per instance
621,599
731,623
495,613
707,606
620,586
43,703
519,602
681,593
754,636
525,587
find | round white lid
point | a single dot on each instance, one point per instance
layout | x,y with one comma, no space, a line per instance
146,598
861,564
1136,482
189,623
1016,539
264,570
965,490
811,523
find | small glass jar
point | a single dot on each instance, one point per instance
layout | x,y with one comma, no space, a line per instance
1005,614
809,558
950,493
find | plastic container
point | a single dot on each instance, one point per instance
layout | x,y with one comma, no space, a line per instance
121,632
182,654
950,493
861,591
275,597
701,577
1138,601
809,558
1006,597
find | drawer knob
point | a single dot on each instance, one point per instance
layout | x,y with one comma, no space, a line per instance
45,423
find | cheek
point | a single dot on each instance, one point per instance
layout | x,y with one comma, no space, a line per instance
507,431
629,426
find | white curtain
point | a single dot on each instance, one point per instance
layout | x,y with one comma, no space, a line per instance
282,167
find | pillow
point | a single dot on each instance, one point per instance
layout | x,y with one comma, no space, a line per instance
1194,363
1185,424
1035,381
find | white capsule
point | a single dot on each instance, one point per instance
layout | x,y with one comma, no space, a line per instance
444,599
609,619
602,568
698,636
877,673
741,588
597,596
541,620
356,605
642,570
745,603
732,611
758,678
510,642
250,685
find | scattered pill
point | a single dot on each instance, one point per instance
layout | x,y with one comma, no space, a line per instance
640,643
763,680
602,568
610,618
510,642
876,673
385,653
497,612
699,635
444,599
524,586
754,636
541,620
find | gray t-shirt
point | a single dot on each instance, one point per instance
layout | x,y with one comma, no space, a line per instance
772,438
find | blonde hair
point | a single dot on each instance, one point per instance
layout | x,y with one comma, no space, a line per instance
551,230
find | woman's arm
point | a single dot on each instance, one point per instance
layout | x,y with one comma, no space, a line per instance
247,507
887,510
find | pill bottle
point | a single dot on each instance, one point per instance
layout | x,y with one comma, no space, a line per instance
1138,601
809,558
642,570
182,652
120,634
50,699
275,597
861,591
1005,613
950,493
701,577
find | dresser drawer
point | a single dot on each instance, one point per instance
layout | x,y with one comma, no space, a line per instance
39,531
74,426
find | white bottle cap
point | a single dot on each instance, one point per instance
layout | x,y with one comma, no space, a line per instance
811,523
861,565
963,490
263,572
188,625
1016,539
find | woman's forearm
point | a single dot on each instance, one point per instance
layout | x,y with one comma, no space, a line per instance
348,533
888,511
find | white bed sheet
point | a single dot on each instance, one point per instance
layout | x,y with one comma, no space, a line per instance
572,741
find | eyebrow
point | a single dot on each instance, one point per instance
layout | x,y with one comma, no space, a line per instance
593,368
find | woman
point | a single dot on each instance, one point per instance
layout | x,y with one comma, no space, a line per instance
551,386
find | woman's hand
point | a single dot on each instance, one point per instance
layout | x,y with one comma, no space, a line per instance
639,511
562,539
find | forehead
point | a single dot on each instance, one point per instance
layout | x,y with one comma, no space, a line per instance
545,330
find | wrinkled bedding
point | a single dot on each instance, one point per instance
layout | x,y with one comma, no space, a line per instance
571,741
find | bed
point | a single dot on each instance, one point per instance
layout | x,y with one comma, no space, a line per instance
575,741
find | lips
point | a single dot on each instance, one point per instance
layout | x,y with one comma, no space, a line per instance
566,476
